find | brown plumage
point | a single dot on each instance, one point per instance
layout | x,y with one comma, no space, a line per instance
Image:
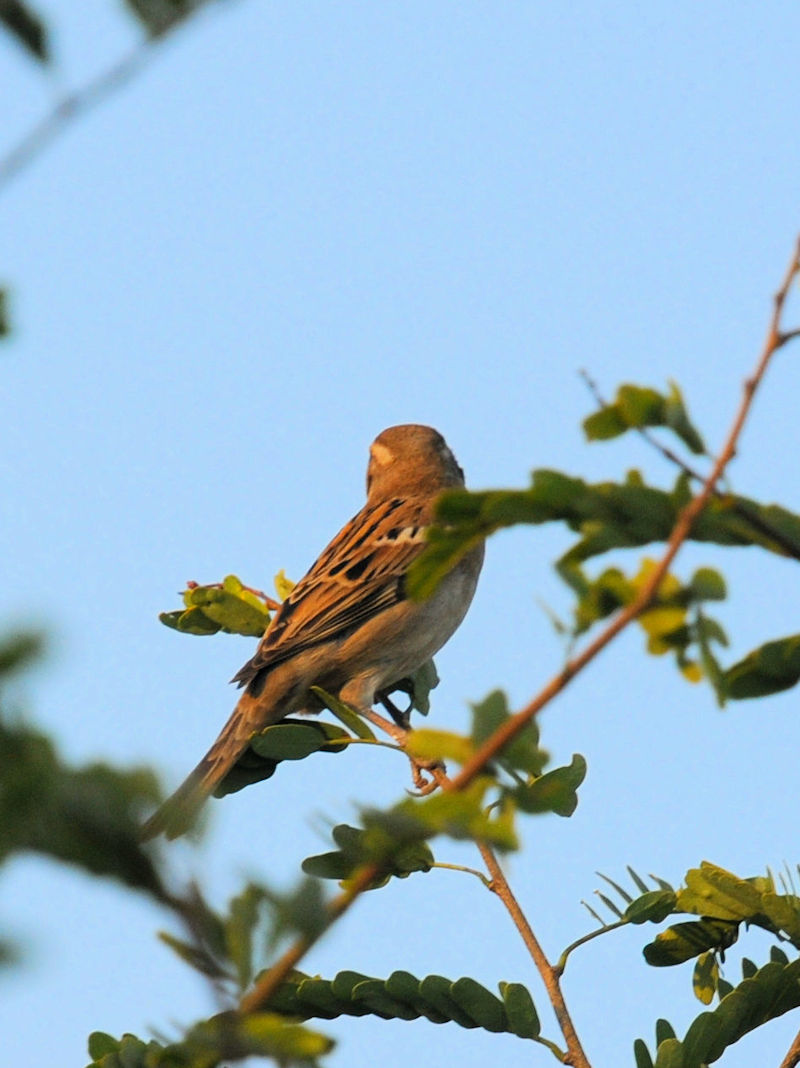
347,625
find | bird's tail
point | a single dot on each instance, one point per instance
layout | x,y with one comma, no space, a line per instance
179,811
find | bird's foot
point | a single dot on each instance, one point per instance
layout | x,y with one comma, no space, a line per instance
426,774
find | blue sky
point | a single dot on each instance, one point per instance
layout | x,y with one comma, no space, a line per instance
300,224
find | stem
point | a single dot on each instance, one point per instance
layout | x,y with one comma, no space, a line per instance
469,871
562,960
550,975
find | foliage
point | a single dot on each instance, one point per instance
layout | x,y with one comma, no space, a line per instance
89,817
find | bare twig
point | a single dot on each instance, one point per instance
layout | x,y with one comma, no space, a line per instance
550,975
75,104
69,108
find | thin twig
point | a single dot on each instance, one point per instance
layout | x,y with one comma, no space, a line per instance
643,431
71,106
550,975
461,867
789,547
562,960
792,1058
775,339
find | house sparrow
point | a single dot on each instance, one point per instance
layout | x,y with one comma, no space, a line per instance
347,625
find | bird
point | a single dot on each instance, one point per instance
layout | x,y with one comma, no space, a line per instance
348,625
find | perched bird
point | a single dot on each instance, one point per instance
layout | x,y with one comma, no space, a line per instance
347,625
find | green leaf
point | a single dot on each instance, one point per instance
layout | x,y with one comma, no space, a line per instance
283,585
429,744
669,1055
287,741
345,713
712,891
438,992
555,791
708,585
484,1008
159,16
641,1054
522,752
706,977
18,651
333,865
87,816
404,987
783,911
101,1044
195,956
768,993
230,609
5,322
682,941
373,995
771,668
265,1035
459,814
254,765
523,1019
676,418
641,885
664,1031
605,424
299,912
225,606
243,916
403,996
605,515
652,907
398,857
189,621
26,27
637,407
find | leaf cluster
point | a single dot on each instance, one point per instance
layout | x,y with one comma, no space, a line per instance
87,816
214,1043
405,997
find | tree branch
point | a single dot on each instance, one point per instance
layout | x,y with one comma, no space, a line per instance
550,975
775,339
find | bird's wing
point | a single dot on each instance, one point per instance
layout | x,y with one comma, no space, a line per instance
357,576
